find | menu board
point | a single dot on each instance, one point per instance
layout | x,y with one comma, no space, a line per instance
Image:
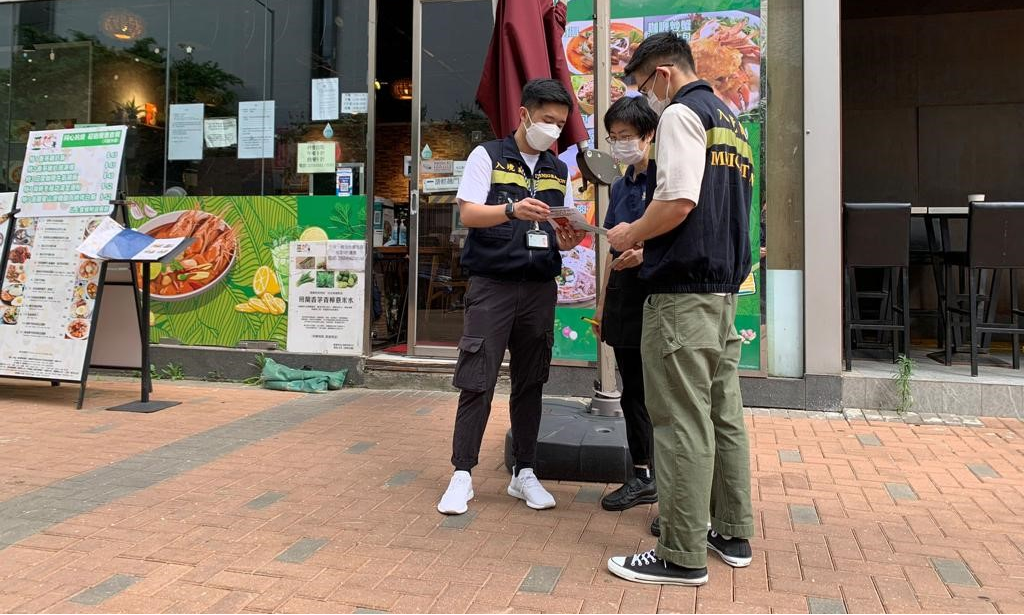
71,172
325,311
48,296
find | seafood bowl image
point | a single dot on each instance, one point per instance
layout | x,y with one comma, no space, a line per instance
202,265
727,51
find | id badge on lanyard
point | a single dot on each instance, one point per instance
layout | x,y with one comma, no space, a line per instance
536,239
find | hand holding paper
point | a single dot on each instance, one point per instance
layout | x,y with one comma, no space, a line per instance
572,218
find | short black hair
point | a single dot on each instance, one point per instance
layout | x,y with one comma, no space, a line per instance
539,92
661,48
632,111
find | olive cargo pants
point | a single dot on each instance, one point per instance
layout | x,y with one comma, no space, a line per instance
691,354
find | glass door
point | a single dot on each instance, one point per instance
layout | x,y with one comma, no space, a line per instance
446,126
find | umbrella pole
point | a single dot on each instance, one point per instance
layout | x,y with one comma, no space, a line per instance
606,395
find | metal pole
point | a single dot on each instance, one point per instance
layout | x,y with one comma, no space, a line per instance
602,100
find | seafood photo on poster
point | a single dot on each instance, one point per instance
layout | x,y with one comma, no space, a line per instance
727,51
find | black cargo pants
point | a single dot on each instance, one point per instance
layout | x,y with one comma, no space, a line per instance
519,316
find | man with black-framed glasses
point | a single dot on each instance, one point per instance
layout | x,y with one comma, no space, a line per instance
696,253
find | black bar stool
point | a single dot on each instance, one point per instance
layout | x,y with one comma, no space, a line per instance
877,236
994,232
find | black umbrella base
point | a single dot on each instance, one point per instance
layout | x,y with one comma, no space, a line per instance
578,446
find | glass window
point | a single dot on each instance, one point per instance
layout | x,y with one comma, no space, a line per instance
77,62
91,62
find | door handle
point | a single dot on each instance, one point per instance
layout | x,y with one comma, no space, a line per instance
414,202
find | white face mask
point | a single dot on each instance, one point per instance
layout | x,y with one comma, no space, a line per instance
655,103
541,136
628,151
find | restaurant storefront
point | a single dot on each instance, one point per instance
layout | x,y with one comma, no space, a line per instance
292,125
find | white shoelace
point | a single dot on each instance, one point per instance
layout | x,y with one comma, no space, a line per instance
644,559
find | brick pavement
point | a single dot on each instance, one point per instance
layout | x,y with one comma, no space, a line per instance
326,504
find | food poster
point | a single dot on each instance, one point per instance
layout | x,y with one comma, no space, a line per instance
727,37
71,172
325,314
577,282
232,284
47,299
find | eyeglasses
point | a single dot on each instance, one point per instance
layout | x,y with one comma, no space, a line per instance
613,140
651,76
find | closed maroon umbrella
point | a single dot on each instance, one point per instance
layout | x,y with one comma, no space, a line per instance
526,44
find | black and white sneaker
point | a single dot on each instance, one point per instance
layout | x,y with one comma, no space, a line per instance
649,568
735,551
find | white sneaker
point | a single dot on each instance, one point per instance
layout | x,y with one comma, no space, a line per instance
525,486
455,500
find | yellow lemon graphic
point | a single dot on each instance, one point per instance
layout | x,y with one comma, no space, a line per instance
265,281
314,233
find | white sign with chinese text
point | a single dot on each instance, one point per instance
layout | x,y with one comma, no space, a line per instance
325,306
354,102
316,157
71,172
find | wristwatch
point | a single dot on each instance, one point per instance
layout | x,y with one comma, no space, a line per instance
510,209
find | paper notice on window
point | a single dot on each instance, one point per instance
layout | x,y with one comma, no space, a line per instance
256,129
354,102
572,218
221,132
185,139
316,157
325,99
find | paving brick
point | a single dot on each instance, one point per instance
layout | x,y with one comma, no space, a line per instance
541,579
803,515
790,456
901,491
302,550
99,593
983,470
869,439
954,572
360,447
825,605
402,478
266,500
460,522
589,495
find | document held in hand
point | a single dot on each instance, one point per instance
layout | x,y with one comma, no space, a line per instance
572,218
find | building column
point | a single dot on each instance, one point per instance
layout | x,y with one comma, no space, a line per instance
823,295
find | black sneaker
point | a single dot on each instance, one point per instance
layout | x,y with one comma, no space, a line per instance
649,568
735,551
636,491
656,527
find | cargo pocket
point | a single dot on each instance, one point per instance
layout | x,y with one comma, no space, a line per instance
686,323
543,366
471,369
